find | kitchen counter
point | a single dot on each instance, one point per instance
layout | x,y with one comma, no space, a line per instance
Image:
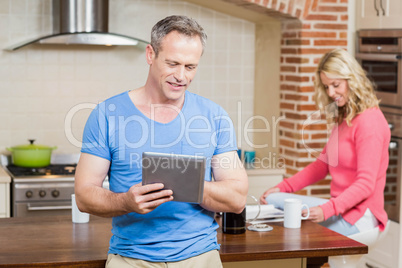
265,171
56,241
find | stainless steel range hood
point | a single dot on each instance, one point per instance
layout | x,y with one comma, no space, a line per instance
81,22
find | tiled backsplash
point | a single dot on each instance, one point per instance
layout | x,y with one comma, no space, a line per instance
41,85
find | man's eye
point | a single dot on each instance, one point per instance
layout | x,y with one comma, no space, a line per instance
336,85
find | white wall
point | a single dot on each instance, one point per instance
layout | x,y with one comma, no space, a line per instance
39,85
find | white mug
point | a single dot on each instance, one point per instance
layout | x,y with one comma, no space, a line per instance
77,215
293,213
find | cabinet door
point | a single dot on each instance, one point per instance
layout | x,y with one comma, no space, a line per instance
393,14
4,200
368,14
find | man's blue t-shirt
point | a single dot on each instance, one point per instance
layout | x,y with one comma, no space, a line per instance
117,131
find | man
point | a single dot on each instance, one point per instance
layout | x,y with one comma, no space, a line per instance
149,228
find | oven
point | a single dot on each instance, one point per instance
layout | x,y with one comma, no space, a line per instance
380,53
41,191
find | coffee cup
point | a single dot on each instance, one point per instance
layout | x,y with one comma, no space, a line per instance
293,213
77,215
233,223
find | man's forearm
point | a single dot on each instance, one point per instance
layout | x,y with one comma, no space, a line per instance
101,202
225,196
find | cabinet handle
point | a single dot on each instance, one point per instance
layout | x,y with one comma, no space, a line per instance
383,10
375,7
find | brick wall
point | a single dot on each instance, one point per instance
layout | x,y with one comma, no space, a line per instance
309,29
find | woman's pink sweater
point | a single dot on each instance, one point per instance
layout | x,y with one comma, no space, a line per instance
357,159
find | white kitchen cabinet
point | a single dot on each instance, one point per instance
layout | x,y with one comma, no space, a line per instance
5,181
260,180
385,254
4,200
378,14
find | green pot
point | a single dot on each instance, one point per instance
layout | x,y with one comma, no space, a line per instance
31,155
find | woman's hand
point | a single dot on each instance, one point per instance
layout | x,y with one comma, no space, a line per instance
268,192
316,214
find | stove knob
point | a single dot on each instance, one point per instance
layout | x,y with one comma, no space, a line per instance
55,193
29,194
42,193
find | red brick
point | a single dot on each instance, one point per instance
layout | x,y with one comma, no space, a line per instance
294,78
328,26
319,51
332,9
306,107
296,116
288,69
321,17
296,97
301,192
343,35
288,51
330,42
296,60
315,5
317,34
311,145
307,4
286,143
290,7
288,87
289,162
294,42
344,18
319,192
302,164
295,135
306,89
289,106
312,127
319,136
286,124
296,153
289,34
298,13
294,25
282,7
307,69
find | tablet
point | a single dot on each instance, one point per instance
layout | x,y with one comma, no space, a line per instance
183,174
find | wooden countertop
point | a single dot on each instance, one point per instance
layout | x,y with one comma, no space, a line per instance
56,241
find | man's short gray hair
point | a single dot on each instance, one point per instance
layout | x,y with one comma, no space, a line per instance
182,24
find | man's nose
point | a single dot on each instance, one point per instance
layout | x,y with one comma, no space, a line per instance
179,74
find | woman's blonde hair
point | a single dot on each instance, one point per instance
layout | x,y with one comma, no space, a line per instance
339,64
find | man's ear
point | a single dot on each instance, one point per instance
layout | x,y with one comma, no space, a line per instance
150,54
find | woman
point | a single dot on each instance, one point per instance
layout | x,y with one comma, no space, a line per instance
356,155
